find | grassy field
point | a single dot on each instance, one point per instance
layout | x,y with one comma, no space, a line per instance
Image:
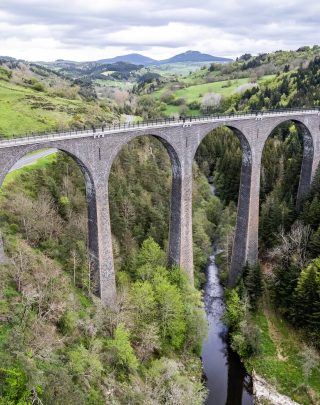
283,360
199,76
24,110
196,92
225,88
172,110
121,84
180,69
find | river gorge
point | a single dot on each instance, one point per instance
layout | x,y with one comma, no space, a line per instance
227,380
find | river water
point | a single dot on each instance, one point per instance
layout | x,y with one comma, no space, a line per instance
227,380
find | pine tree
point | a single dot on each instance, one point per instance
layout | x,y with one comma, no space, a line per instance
285,283
307,294
314,244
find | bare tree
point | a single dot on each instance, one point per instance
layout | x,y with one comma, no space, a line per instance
293,245
210,101
245,87
310,361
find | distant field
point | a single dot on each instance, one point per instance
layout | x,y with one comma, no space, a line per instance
266,78
181,69
195,93
225,88
198,75
124,85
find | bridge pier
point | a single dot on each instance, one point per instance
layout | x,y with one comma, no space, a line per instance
100,246
245,245
307,163
175,218
186,249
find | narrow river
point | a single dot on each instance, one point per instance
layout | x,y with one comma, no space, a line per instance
227,380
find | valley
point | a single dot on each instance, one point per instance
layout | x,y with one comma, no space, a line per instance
54,333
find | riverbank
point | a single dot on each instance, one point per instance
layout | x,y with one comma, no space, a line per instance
284,362
265,393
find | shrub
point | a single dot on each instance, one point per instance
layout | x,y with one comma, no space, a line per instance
179,101
123,357
246,340
38,87
167,97
194,105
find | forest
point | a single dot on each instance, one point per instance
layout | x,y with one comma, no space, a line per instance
58,345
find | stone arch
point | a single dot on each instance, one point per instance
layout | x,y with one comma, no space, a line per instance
306,172
16,153
170,147
174,248
244,142
241,251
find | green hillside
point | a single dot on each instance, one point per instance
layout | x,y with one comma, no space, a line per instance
24,110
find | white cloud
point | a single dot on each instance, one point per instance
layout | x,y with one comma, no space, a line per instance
86,30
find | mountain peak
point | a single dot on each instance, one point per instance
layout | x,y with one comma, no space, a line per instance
188,56
194,56
135,58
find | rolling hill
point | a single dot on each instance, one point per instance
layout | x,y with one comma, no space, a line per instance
189,56
135,58
194,56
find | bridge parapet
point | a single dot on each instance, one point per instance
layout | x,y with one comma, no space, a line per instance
159,123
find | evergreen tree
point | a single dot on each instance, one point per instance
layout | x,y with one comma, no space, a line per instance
314,244
286,279
307,295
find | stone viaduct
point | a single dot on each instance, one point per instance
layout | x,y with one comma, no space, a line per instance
96,150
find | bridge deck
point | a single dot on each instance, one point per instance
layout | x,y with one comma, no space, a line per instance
145,125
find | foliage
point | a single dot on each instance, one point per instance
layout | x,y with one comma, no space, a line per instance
13,388
244,335
123,357
149,108
220,155
252,278
64,341
307,299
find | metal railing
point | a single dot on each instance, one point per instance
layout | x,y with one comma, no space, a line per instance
14,139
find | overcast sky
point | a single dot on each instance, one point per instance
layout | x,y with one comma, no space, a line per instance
89,30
